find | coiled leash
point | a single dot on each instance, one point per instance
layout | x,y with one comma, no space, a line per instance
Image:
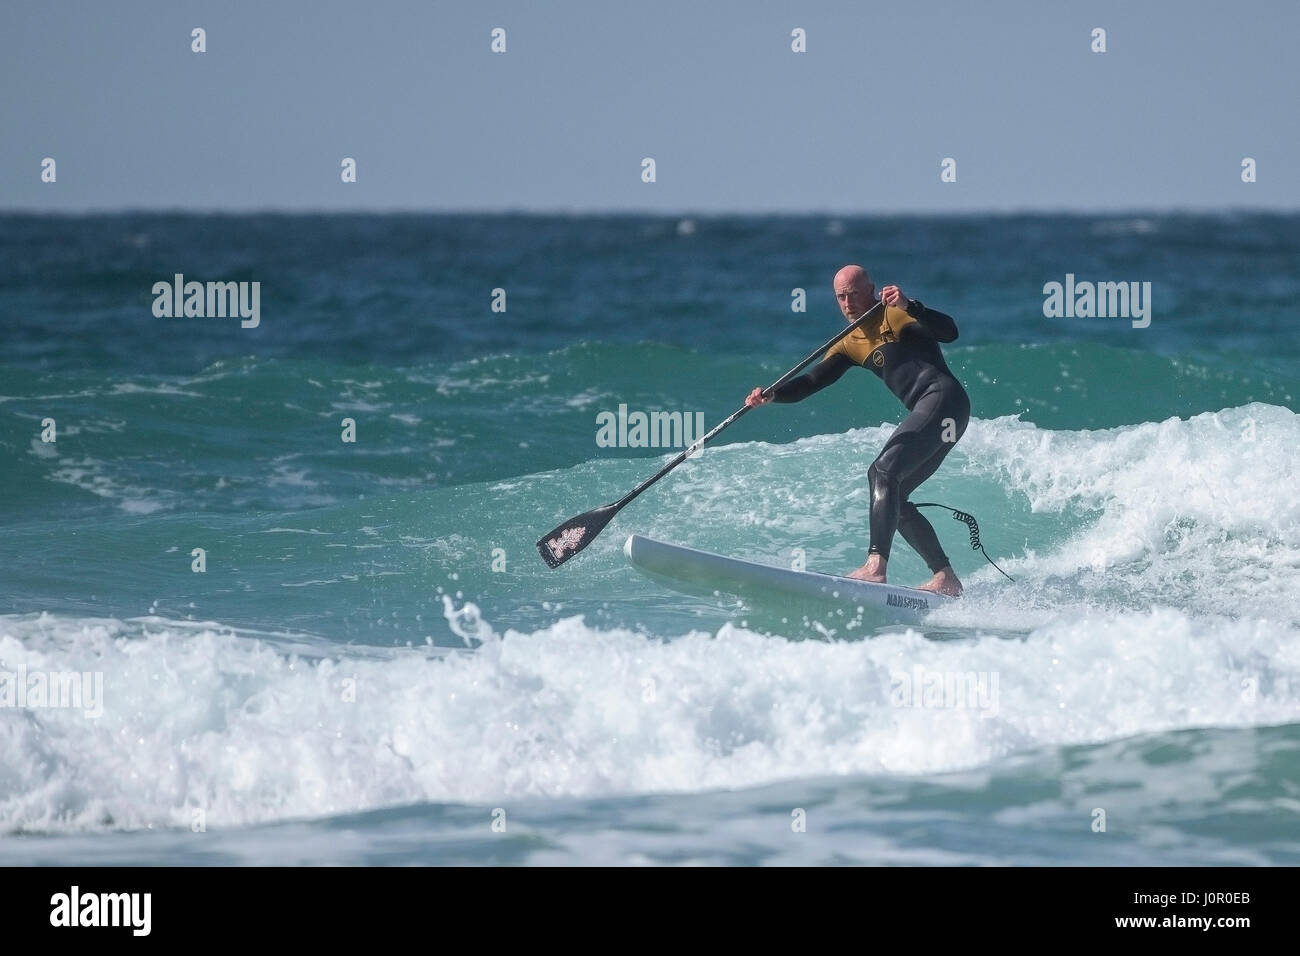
974,527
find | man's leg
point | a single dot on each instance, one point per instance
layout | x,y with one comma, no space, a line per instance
906,449
919,533
912,525
912,454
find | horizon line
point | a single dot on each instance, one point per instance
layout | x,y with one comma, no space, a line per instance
686,213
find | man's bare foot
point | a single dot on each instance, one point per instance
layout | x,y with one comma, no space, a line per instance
873,570
943,582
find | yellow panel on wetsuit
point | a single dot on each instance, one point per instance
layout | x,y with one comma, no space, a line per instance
861,342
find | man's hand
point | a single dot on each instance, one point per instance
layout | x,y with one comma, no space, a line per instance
893,295
756,397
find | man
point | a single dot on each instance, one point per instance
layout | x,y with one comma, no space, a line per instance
902,348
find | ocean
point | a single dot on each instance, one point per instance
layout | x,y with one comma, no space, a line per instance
276,645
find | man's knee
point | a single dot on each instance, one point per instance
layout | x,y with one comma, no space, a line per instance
880,480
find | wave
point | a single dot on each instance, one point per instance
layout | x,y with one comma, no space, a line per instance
205,722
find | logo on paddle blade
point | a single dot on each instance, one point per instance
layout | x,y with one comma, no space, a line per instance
566,541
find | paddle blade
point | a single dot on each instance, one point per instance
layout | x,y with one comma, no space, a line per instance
574,535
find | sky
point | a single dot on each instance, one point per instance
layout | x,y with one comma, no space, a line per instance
734,120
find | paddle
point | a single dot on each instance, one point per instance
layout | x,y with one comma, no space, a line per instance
568,539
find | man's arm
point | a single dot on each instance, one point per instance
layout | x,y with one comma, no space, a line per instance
933,323
824,373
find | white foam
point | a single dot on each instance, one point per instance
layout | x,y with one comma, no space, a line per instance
247,727
1199,512
162,388
94,476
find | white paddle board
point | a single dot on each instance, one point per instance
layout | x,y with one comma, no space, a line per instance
695,572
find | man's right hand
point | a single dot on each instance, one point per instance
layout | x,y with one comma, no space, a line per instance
756,397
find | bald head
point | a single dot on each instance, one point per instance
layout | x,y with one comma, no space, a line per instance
854,291
851,276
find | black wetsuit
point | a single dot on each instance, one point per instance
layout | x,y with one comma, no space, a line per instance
904,352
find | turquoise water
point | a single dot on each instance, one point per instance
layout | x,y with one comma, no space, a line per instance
375,659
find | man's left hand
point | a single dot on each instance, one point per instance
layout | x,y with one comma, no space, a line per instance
893,295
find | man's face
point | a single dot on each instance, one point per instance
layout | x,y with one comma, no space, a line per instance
854,296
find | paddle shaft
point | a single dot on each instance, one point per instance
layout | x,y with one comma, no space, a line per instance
717,429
